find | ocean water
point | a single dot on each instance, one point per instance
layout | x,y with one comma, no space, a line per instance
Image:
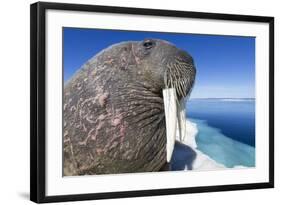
226,129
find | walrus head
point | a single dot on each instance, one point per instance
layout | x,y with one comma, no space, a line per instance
117,104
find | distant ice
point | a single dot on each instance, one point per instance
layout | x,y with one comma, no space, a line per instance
206,148
225,99
236,99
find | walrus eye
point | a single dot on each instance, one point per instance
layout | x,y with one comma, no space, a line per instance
148,44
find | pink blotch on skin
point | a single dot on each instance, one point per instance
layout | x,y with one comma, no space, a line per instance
116,121
122,132
100,125
94,137
99,151
101,117
102,99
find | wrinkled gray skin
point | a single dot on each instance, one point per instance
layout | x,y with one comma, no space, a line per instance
114,118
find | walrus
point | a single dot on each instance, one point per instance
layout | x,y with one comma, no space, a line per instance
113,111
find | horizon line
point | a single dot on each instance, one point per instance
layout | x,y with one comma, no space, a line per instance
222,98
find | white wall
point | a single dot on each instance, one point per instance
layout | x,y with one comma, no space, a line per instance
14,101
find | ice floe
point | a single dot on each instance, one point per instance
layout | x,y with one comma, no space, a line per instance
212,151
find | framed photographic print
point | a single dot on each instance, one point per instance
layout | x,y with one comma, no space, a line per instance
129,102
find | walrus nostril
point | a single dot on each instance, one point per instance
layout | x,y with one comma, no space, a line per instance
183,57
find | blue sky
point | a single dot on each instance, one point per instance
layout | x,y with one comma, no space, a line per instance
225,64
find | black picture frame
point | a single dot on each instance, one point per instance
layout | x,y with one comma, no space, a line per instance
38,101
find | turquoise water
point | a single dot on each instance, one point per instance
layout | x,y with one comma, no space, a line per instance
226,130
221,148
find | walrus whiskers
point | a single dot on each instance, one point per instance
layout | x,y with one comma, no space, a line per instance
181,84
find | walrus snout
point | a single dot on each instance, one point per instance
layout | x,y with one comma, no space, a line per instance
180,73
165,65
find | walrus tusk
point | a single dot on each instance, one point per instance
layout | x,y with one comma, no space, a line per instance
170,107
181,119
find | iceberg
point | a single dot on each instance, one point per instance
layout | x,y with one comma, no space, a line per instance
206,148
